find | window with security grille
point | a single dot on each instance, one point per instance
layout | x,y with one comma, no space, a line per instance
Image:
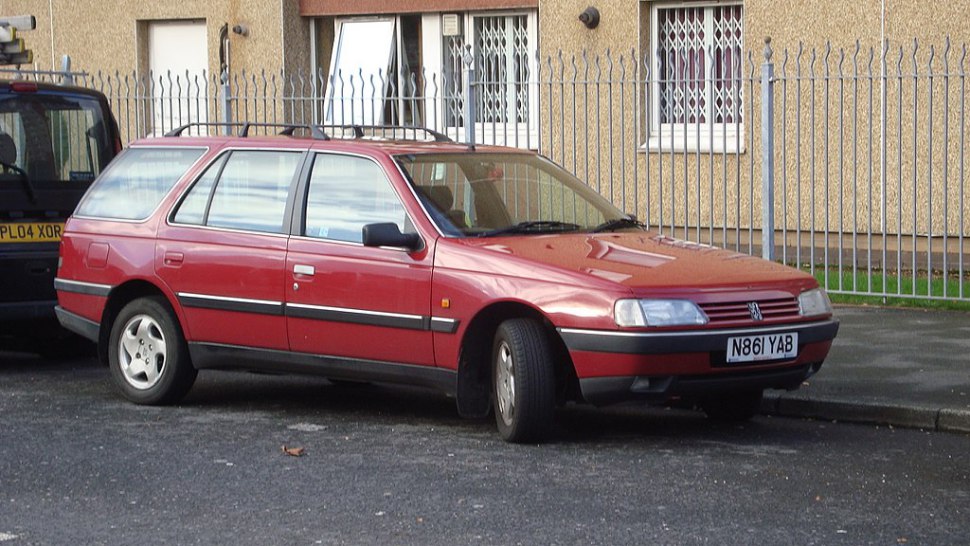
504,50
697,76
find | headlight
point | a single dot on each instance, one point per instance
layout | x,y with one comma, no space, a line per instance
657,313
814,302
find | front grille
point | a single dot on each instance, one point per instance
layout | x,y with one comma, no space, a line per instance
738,312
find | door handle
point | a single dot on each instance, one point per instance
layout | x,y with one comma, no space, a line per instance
174,259
304,270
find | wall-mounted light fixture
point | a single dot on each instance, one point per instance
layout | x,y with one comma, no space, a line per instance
590,17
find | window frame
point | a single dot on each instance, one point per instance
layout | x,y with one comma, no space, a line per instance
698,137
513,133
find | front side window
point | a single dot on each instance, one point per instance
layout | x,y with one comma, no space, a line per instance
345,194
697,100
136,182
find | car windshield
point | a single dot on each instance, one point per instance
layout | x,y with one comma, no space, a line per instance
485,194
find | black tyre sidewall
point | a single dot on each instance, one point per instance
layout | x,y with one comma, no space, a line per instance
177,375
534,398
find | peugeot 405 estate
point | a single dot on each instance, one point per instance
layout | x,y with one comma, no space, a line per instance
394,255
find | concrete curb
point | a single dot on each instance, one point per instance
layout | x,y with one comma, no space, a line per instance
954,420
898,415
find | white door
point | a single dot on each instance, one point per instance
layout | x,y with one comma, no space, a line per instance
178,60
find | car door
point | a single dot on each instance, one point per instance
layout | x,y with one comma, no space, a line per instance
223,250
346,300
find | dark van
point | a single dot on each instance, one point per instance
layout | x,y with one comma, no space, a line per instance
54,140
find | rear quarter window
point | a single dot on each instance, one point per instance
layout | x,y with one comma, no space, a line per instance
135,183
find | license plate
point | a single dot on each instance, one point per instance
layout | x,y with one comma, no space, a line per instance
31,232
764,347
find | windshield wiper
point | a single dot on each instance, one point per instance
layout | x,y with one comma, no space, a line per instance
24,179
534,226
618,223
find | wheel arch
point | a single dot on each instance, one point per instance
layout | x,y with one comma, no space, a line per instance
119,297
474,363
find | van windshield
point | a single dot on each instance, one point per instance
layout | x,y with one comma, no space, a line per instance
51,141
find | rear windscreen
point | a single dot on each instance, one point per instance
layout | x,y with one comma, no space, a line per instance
52,140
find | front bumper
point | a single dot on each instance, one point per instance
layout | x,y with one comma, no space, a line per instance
616,366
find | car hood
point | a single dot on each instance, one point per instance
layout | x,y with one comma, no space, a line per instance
645,261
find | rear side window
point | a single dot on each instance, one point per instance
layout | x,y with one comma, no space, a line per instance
136,182
247,191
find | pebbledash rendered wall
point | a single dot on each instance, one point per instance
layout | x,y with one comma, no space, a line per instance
869,139
111,35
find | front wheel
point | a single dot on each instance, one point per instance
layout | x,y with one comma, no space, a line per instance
523,380
733,407
147,353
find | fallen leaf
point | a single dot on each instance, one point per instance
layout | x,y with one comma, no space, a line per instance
294,451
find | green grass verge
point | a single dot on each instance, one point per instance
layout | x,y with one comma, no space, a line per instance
927,294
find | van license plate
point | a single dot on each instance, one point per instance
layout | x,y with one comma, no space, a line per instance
764,347
31,232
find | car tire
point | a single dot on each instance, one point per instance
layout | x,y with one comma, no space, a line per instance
147,353
734,407
523,381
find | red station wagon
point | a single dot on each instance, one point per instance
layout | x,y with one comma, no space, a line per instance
376,254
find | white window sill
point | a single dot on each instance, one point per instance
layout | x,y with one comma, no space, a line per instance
515,135
731,143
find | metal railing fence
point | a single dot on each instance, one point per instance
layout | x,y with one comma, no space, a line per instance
850,163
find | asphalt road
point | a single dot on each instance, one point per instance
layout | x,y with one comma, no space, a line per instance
382,465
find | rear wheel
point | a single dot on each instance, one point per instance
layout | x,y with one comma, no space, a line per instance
147,353
523,380
733,407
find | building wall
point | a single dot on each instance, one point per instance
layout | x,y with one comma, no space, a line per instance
109,36
787,22
699,188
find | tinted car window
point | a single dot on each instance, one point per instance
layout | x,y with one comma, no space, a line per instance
251,191
346,193
136,182
55,138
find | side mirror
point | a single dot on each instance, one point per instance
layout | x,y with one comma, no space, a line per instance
388,234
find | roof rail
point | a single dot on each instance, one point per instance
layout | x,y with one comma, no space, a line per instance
319,132
287,129
359,131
